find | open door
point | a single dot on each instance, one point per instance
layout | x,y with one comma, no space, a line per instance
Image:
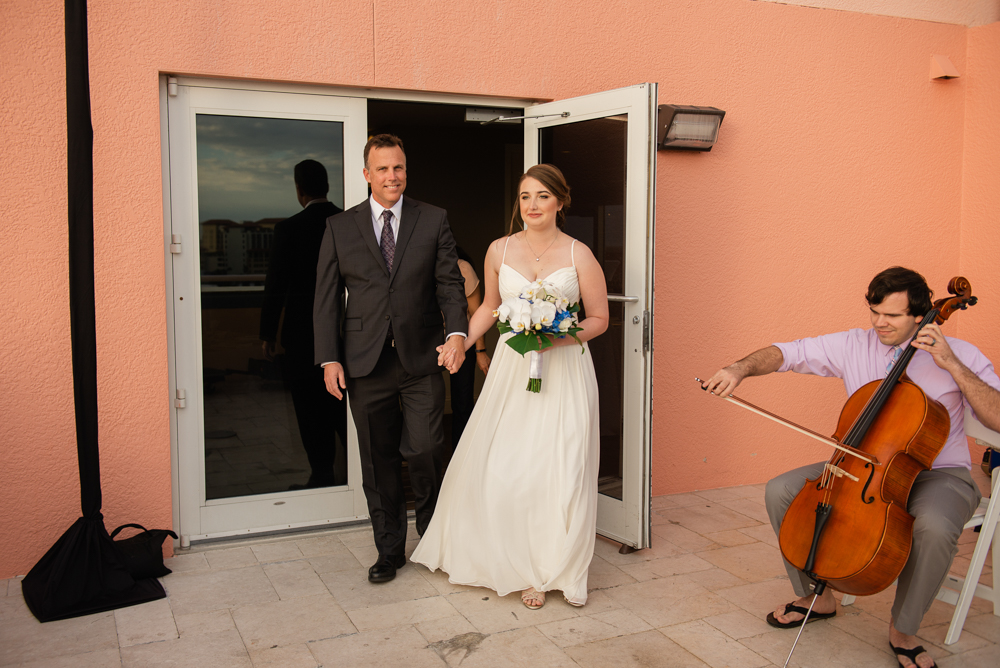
605,145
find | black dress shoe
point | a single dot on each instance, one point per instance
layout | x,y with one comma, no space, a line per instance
384,569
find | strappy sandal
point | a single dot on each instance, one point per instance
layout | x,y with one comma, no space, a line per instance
575,605
532,598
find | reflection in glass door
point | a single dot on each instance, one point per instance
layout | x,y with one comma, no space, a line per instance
253,444
241,464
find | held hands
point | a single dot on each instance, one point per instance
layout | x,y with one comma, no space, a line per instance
268,349
452,354
724,381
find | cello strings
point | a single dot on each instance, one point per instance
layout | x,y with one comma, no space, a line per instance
874,404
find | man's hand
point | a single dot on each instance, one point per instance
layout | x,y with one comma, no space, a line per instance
268,348
758,363
931,339
724,381
452,354
333,375
985,400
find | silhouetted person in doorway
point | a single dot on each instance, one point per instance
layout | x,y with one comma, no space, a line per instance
291,285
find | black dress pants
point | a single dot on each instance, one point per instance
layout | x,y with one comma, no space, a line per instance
385,403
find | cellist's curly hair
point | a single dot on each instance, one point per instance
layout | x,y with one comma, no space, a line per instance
901,279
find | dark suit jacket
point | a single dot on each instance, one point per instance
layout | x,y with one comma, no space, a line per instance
291,279
425,283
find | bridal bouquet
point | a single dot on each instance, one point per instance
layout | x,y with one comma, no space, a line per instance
537,314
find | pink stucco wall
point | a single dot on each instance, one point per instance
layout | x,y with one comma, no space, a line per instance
837,158
980,237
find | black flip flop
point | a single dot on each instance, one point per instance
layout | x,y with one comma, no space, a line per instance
791,607
910,654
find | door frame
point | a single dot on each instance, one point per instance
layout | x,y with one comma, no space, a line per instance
200,518
167,82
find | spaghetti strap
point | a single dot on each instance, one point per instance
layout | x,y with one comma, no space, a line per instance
505,250
572,257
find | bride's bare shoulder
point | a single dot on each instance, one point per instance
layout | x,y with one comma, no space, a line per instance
495,253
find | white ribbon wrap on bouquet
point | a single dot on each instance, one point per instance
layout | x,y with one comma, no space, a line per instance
535,365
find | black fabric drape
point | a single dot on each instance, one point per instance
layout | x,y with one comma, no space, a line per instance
82,573
82,310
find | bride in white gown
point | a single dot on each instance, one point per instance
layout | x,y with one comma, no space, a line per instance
518,507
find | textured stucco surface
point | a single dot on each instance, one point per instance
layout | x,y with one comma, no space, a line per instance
39,484
837,157
980,236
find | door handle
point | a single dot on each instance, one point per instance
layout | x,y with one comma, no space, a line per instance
623,298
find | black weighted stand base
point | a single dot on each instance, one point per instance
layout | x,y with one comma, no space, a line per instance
81,574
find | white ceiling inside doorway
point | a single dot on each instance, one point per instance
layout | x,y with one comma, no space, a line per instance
959,12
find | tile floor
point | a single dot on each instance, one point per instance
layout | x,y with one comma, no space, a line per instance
696,598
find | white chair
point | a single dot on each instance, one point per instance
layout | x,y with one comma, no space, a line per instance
959,591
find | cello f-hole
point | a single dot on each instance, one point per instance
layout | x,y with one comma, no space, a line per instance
871,474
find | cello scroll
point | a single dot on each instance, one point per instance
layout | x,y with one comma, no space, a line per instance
963,299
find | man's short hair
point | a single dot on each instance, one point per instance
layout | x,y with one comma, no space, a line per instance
383,141
310,177
901,279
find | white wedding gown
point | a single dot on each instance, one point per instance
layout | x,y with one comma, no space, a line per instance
518,505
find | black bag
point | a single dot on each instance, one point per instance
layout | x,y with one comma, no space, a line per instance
142,554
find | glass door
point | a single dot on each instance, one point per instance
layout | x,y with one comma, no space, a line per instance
246,460
605,145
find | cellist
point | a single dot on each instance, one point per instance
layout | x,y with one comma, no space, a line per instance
943,499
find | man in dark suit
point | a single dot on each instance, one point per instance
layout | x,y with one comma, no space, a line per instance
396,258
291,285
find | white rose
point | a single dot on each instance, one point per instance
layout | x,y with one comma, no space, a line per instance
565,324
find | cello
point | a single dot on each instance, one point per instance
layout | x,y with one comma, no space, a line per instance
849,527
855,535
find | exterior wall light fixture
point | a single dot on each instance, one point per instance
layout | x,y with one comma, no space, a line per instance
687,128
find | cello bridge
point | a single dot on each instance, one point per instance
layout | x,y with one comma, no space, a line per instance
831,471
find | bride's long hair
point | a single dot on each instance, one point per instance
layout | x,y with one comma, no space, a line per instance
554,181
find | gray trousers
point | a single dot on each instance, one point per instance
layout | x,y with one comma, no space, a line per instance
941,502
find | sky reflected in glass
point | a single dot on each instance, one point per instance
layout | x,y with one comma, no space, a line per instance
245,164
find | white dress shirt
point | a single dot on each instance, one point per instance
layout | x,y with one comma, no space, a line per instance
377,209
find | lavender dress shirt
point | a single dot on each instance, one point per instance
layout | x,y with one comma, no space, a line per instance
857,357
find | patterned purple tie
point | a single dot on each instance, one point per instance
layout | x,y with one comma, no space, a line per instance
388,246
388,243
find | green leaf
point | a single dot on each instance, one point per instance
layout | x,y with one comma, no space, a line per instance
527,342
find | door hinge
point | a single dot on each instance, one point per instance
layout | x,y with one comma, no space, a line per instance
172,86
175,244
645,332
180,399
